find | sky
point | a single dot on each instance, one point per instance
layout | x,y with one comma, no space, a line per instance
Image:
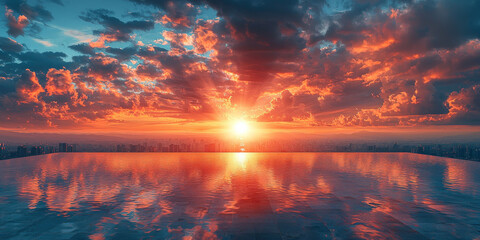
191,66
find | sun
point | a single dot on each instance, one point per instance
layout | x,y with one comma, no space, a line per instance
240,128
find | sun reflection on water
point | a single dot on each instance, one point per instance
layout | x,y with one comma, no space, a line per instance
194,195
241,159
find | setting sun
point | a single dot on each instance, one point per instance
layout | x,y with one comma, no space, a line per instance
232,119
241,128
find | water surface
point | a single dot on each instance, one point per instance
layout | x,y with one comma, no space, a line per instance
239,196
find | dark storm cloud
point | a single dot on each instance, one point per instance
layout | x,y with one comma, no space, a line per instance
179,14
28,15
148,70
9,49
37,12
104,68
6,86
9,45
416,26
42,61
258,36
39,62
122,54
5,57
255,33
340,97
114,28
370,42
439,24
465,106
350,26
15,25
365,63
181,82
83,48
193,80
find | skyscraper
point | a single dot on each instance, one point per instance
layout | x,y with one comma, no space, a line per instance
62,147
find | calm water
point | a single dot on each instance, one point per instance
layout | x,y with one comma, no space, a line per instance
239,196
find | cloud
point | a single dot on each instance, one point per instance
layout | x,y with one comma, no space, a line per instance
105,68
59,82
80,36
38,61
114,28
15,26
83,48
37,12
28,87
438,25
45,43
464,106
362,63
27,15
205,38
256,43
122,54
10,45
180,14
285,109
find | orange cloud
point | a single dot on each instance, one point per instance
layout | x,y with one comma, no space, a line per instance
28,87
181,21
15,25
59,82
205,38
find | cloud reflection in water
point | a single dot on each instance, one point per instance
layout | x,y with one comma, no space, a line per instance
239,195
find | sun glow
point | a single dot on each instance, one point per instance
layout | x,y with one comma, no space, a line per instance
241,128
241,160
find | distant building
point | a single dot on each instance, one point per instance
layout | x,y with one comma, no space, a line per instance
150,149
49,149
21,151
210,147
3,151
134,148
121,148
62,147
71,148
36,150
174,148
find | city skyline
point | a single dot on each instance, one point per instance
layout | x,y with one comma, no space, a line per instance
466,151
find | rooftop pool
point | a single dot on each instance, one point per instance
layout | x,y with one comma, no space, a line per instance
239,196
